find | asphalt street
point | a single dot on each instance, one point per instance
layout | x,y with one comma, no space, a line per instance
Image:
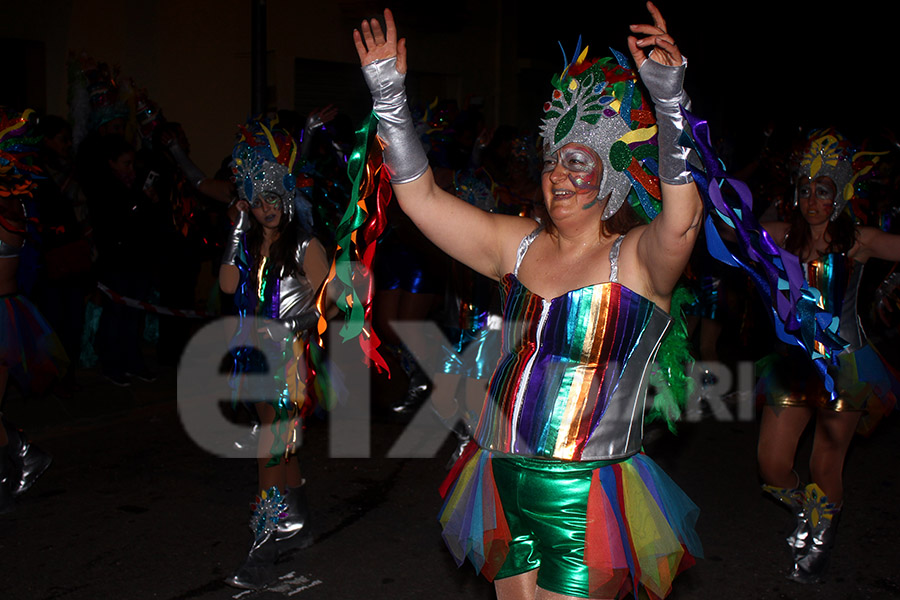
132,508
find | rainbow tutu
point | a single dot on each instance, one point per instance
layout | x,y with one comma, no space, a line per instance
639,525
28,346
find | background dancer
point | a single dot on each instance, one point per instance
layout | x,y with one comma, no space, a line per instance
274,267
833,251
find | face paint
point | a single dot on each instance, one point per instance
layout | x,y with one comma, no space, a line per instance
268,198
581,164
822,189
816,196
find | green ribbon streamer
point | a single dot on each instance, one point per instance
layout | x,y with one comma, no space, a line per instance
352,220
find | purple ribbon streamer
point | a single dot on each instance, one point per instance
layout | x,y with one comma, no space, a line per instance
798,320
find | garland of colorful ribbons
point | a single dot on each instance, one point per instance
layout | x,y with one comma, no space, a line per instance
355,253
777,274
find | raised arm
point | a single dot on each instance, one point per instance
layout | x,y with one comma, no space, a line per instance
874,243
665,246
483,241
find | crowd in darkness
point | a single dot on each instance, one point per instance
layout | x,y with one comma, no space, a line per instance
116,208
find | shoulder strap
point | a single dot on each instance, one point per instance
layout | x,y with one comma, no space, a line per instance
614,259
524,245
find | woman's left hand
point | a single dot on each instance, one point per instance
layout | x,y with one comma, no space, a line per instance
374,44
662,47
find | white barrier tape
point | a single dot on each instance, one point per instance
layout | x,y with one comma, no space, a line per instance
160,310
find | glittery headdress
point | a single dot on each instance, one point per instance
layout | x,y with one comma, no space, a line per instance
263,161
18,149
596,102
828,154
94,96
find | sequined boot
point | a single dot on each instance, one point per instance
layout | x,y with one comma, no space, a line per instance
823,521
28,459
293,529
793,499
258,569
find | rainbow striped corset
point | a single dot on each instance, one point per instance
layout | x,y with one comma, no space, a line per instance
572,379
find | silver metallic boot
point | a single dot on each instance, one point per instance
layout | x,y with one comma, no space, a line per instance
258,569
28,459
823,522
293,529
793,499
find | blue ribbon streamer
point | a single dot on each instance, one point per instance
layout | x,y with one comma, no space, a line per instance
776,273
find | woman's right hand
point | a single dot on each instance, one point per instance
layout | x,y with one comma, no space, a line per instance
372,44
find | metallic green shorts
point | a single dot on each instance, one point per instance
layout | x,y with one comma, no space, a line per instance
545,502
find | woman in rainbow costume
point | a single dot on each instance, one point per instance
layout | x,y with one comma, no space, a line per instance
556,500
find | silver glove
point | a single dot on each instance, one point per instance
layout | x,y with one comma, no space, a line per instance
191,171
403,152
233,241
665,85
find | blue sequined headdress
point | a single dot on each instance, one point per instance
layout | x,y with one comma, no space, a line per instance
263,161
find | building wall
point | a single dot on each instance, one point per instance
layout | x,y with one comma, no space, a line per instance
194,56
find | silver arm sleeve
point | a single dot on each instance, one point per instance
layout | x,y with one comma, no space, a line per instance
191,171
403,152
665,85
233,241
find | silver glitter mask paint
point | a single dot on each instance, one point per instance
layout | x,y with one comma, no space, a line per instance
581,166
596,103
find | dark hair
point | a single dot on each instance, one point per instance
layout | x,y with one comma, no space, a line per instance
282,257
624,220
840,234
50,125
111,147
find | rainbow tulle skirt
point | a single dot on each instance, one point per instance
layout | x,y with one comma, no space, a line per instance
593,529
28,346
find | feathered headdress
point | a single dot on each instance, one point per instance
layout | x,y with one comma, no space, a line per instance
18,148
829,154
263,162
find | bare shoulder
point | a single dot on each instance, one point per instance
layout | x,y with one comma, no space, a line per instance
316,247
777,229
634,271
510,231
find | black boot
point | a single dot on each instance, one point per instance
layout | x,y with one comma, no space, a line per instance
823,521
28,459
419,386
8,480
293,529
258,569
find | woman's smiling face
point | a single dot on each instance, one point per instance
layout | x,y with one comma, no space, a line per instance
571,179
